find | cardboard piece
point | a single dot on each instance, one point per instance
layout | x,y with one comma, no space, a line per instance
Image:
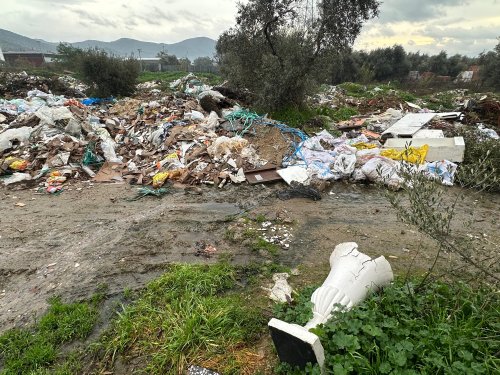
110,172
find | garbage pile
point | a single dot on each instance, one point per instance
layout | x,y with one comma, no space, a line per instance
17,85
46,139
200,136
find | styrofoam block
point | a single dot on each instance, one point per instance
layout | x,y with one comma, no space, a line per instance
452,149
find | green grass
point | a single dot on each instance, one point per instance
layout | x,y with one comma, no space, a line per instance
260,218
37,348
296,117
355,89
262,244
338,114
167,77
444,329
250,233
441,101
376,91
312,119
184,317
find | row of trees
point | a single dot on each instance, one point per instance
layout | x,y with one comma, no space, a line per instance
394,63
281,49
184,63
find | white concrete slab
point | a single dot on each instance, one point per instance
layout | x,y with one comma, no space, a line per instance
408,125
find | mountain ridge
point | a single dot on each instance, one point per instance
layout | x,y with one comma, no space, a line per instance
190,48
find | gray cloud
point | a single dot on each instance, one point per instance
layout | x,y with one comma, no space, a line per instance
462,26
462,33
94,18
416,10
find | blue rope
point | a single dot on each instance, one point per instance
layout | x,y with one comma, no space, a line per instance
252,118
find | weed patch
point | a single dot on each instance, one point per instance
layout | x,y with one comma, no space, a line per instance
23,351
262,244
296,117
184,317
443,329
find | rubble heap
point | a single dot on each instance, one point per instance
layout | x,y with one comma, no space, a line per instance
200,136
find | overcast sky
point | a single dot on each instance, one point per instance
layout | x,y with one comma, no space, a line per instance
457,26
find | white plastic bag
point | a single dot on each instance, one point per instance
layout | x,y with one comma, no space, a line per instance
343,166
21,134
381,169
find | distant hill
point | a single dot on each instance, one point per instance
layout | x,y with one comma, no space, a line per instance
190,48
10,41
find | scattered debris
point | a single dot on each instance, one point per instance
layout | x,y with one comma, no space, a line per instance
204,249
155,139
281,291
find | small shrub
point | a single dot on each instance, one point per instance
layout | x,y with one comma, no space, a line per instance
108,75
481,166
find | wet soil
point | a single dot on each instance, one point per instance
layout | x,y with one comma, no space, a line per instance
91,236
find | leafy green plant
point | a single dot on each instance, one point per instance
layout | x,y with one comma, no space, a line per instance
299,311
480,169
443,329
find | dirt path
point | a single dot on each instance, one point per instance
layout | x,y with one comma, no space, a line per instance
87,237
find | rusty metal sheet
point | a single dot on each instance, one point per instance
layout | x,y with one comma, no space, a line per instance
262,175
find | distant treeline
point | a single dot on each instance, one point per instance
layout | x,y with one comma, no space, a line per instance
394,63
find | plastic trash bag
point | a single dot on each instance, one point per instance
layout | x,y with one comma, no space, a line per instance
20,134
488,133
343,166
443,171
226,146
194,115
107,144
212,122
362,156
415,155
16,177
384,170
159,179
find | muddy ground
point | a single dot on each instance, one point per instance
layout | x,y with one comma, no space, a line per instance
90,236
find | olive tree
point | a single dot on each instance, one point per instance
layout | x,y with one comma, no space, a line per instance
277,47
